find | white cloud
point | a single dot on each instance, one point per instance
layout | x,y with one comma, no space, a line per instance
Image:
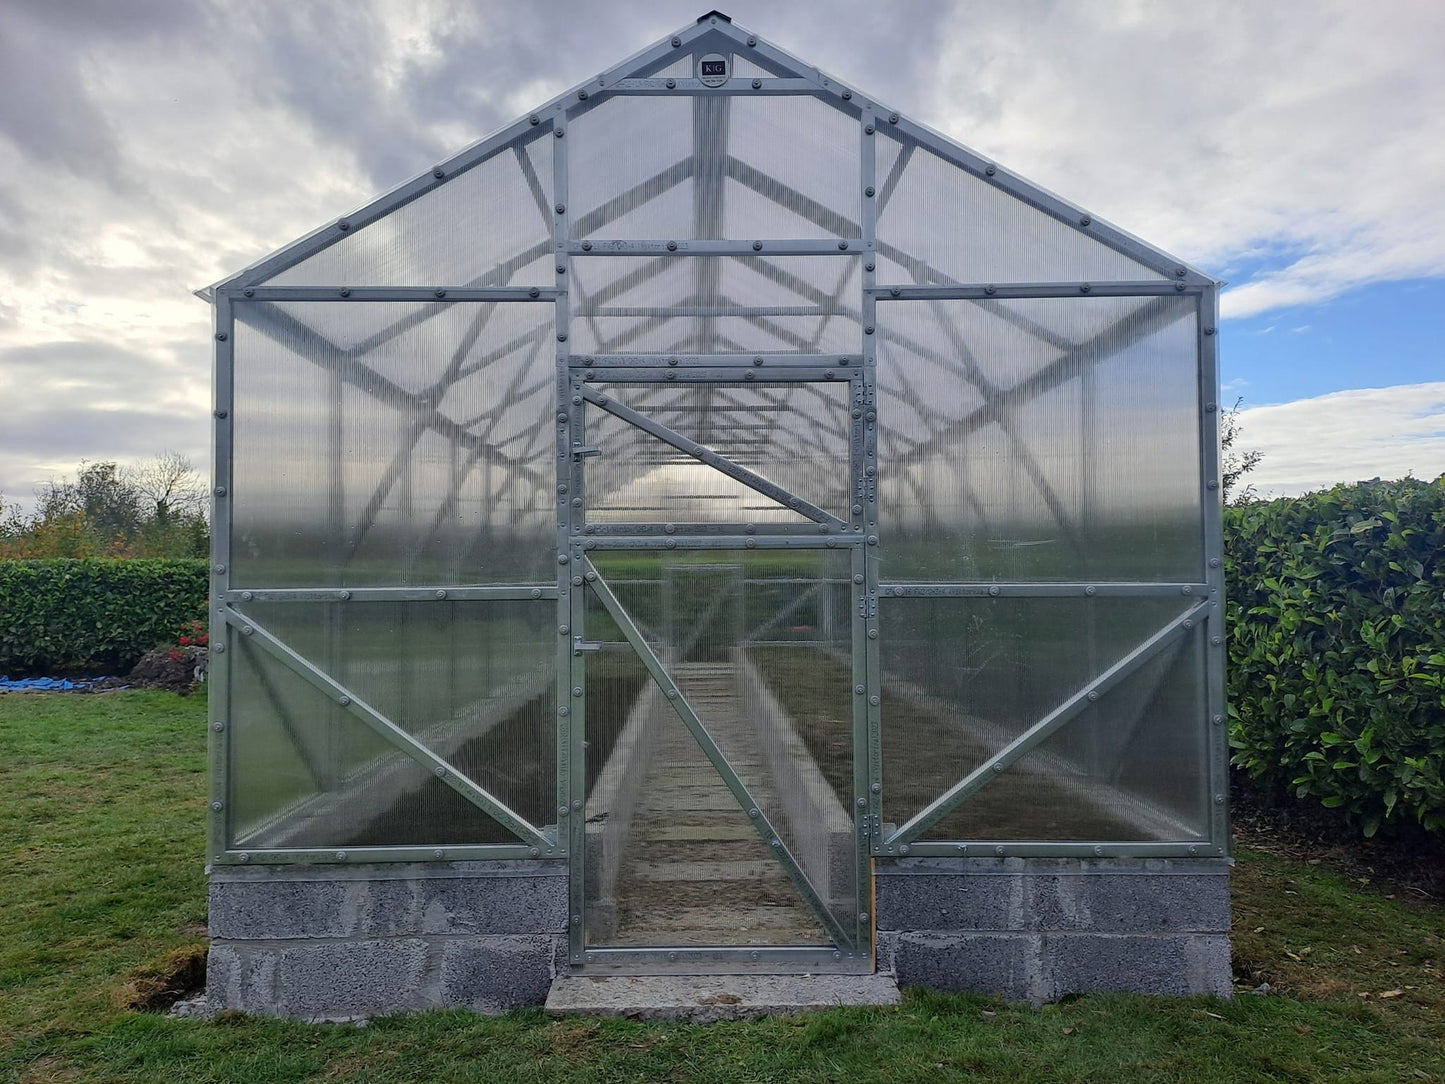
1346,436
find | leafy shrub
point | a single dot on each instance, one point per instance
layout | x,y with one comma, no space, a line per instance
94,614
1336,612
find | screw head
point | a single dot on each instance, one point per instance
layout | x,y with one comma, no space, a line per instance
561,208
218,727
343,225
559,132
752,41
1093,695
671,84
220,491
343,595
1091,590
220,336
217,806
564,629
1085,288
857,579
993,592
868,330
581,95
868,130
534,292
892,118
757,83
990,290
438,853
440,292
561,336
847,95
896,291
534,119
344,701
440,770
562,558
439,173
249,292
874,700
843,246
1085,220
344,292
990,170
220,570
220,413
676,42
441,593
1209,331
672,246
876,788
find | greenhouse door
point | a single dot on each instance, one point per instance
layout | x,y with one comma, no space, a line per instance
712,667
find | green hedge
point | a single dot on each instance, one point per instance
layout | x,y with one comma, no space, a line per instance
1336,612
94,615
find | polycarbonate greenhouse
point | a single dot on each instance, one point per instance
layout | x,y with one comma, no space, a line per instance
715,525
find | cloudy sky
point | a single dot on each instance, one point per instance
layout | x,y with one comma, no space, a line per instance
149,147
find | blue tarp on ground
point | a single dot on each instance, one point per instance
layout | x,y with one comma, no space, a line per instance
56,685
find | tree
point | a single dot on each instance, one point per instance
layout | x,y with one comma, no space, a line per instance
170,487
1235,462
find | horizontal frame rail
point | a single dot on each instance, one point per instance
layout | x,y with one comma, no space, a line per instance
710,458
1004,291
726,542
392,733
756,814
1040,590
1009,848
981,776
681,246
442,852
764,361
731,959
436,593
521,294
714,374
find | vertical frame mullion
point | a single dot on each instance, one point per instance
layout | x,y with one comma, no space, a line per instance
1212,497
222,494
870,781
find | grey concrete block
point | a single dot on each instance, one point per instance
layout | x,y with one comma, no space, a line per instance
496,974
886,951
493,905
1010,964
387,906
344,980
1131,903
953,902
240,980
1174,965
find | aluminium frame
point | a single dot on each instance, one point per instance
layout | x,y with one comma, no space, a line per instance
789,76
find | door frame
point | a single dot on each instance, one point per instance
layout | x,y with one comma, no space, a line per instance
576,577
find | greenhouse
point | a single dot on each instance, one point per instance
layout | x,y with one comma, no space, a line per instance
714,526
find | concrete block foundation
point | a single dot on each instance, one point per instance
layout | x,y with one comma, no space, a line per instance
1038,929
331,943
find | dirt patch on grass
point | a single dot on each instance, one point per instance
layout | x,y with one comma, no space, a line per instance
158,985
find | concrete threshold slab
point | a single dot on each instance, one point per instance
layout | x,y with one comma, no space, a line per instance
703,999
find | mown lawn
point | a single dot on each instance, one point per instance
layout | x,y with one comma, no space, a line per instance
102,897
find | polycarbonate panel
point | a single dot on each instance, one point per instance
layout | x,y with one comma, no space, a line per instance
963,677
473,681
713,166
1040,439
940,223
392,444
715,304
1134,766
488,226
304,773
794,435
673,858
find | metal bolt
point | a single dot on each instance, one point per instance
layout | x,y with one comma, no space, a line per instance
672,694
440,292
1193,850
343,225
344,701
1085,288
439,173
672,956
440,769
896,291
218,727
753,812
990,170
534,119
217,806
1180,272
876,787
220,413
243,857
862,916
341,856
576,690
868,330
561,208
868,266
892,118
1216,640
564,710
1186,590
564,629
859,690
220,491
438,853
1179,287
757,83
998,850
562,558
872,540
247,630
441,593
847,95
903,848
868,191
246,596
534,852
676,42
1091,590
752,41
868,130
534,292
1209,331
591,577
857,579
671,84
872,634
672,246
874,700
1093,695
249,292
344,292
1085,220
576,804
749,376
1218,720
990,290
536,592
1219,799
343,595
993,591
581,95
1099,852
220,336
775,843
559,132
843,246
576,581
757,361
1214,562
1213,484
220,570
828,374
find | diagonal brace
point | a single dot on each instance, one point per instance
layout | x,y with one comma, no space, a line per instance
981,776
710,749
710,458
388,730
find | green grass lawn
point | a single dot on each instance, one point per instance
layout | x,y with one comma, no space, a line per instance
102,895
